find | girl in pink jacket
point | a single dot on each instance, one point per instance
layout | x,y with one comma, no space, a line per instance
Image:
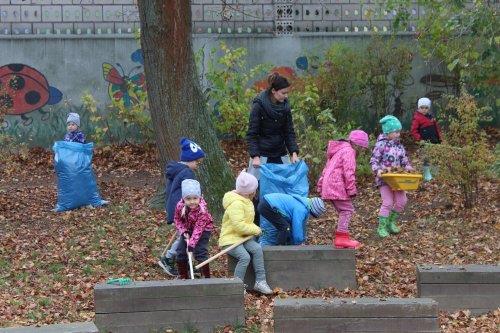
338,183
195,224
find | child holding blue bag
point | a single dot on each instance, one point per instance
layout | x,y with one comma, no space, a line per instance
76,183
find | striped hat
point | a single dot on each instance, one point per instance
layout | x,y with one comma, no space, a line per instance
317,207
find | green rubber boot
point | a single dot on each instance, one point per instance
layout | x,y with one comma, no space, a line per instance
427,173
391,223
382,226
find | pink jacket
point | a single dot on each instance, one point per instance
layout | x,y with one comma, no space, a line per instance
194,221
338,179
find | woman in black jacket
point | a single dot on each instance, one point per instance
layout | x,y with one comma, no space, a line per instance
271,136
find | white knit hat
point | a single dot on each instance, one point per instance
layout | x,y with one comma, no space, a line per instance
73,118
246,183
424,101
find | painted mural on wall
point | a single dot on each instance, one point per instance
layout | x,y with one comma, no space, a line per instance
25,90
124,89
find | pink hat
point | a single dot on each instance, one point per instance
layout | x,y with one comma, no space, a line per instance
359,137
246,183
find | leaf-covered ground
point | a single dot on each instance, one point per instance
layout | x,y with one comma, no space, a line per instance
50,262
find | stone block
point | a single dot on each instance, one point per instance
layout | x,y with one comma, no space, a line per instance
312,12
112,13
31,14
21,28
351,12
10,13
65,28
253,13
264,27
84,327
203,27
322,26
170,304
472,287
43,28
5,28
332,12
72,13
51,14
104,28
86,28
283,11
355,315
212,12
268,11
130,14
92,13
312,266
197,12
124,28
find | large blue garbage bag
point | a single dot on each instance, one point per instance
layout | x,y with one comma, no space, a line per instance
76,184
280,178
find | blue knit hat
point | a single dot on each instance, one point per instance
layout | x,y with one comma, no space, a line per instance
317,207
390,124
190,151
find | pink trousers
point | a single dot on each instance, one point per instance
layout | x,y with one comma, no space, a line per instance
345,209
391,200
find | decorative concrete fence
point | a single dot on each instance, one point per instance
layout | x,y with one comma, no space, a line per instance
315,266
155,306
355,315
473,287
86,327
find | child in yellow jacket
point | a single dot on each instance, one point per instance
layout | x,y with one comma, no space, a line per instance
237,224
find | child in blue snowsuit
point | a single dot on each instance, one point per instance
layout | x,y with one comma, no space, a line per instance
289,213
190,158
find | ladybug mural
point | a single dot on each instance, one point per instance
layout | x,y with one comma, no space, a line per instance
24,89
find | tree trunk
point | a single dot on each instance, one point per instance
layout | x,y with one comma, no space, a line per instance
178,107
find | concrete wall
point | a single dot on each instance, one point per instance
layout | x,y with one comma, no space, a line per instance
74,65
89,17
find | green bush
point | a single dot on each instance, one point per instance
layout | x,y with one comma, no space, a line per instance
362,85
314,127
230,90
464,156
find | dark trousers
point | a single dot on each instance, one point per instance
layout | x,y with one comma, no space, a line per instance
277,220
275,160
200,251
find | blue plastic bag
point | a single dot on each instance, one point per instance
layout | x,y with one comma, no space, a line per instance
280,178
76,184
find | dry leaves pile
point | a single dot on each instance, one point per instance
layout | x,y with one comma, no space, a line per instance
50,262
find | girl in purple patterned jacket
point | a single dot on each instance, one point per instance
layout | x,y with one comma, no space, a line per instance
194,222
389,153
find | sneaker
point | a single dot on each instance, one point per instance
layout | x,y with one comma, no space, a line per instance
262,287
168,266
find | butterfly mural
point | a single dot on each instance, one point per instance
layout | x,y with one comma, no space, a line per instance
124,89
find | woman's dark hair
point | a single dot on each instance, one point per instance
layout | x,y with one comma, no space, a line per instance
277,82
